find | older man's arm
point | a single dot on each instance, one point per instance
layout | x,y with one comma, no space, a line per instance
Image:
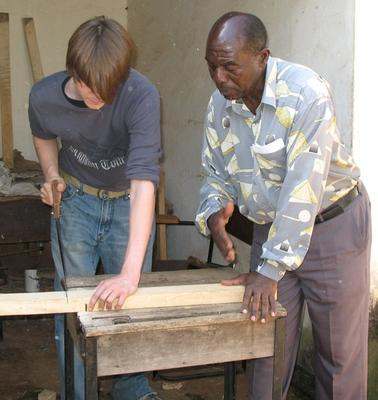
217,195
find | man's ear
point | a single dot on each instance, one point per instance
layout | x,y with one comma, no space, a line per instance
264,56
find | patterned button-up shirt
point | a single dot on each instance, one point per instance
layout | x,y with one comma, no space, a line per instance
284,164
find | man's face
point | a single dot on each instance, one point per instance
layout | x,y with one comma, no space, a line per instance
89,97
235,69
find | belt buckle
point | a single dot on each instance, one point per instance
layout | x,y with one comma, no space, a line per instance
103,194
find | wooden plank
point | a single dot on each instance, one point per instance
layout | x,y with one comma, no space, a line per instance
33,49
5,92
167,278
196,342
133,320
167,219
145,297
161,210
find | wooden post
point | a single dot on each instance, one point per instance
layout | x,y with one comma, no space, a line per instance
161,228
33,49
5,92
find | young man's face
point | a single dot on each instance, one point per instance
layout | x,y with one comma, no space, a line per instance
89,97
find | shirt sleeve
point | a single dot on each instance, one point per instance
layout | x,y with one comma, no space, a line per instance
145,140
36,121
216,190
309,151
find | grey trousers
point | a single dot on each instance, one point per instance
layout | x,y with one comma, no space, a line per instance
334,282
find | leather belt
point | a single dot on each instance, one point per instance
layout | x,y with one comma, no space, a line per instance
101,193
338,207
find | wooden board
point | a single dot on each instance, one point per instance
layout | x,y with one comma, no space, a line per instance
184,342
136,320
161,229
33,49
168,278
145,297
5,92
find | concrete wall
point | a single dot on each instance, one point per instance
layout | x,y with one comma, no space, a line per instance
55,21
171,36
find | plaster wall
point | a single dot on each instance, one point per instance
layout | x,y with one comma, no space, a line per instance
55,21
171,36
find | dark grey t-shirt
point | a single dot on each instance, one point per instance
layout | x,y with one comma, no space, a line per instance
103,148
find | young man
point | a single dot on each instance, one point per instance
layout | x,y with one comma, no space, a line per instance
272,147
107,118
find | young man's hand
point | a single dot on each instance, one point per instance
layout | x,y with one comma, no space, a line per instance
217,224
46,189
112,292
259,293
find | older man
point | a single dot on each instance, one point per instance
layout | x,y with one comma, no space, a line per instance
272,147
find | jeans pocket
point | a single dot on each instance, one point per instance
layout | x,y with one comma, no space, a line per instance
69,193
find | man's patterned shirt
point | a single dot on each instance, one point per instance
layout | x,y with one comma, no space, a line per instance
282,165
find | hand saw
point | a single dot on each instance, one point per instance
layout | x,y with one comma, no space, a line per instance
56,212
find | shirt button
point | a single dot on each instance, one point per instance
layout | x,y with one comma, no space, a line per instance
226,122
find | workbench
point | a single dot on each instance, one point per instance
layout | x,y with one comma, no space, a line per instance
148,339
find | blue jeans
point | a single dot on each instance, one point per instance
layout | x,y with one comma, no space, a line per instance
92,229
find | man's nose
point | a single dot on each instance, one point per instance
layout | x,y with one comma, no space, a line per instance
220,75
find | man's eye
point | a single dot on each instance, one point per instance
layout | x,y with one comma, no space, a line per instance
231,68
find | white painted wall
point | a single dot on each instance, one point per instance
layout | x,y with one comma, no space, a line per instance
171,35
55,21
365,122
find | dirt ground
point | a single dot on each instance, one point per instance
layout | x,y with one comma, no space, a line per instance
28,365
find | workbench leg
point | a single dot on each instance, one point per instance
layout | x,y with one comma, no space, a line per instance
90,368
68,358
279,356
229,381
1,330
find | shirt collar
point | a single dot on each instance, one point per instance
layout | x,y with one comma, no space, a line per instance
269,94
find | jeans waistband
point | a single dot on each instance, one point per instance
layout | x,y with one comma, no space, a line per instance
101,193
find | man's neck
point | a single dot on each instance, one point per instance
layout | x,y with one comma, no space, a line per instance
253,100
71,91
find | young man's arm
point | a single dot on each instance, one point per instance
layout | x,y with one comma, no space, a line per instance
142,197
47,152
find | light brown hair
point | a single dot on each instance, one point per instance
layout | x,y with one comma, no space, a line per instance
99,54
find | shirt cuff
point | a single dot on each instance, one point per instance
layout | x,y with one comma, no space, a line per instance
271,269
201,218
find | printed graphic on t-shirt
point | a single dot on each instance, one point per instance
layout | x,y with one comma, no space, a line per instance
103,164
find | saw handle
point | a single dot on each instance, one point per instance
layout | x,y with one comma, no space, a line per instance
56,198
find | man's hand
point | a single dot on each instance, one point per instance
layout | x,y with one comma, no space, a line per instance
259,293
112,289
46,189
217,224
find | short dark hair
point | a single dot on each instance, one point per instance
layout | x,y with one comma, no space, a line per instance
99,54
252,29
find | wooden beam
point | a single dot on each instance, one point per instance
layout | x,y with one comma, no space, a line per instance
161,230
167,219
33,49
160,278
145,297
5,92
